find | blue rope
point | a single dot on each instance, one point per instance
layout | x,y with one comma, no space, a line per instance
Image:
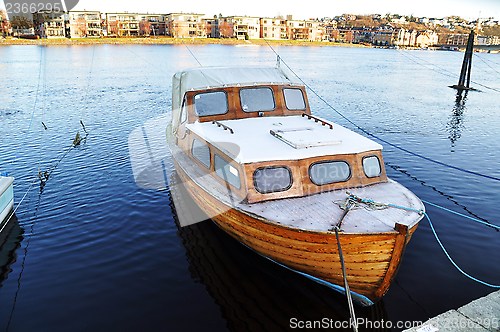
381,139
463,215
451,259
370,201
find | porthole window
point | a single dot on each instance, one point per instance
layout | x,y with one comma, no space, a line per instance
294,99
227,171
210,103
327,172
371,166
257,99
272,179
201,152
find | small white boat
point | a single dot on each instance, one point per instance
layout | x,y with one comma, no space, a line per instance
6,199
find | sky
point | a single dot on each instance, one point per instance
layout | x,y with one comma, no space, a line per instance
302,9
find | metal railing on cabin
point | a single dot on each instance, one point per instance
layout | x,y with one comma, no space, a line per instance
312,117
223,126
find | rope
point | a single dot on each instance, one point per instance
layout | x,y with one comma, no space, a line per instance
369,201
346,284
444,71
463,215
486,63
451,259
379,138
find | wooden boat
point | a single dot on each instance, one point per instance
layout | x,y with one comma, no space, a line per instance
6,199
276,178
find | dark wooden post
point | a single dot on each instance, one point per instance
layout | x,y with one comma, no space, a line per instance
464,80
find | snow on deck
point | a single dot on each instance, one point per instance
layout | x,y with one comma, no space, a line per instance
294,138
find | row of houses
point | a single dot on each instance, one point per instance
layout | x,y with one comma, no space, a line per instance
79,24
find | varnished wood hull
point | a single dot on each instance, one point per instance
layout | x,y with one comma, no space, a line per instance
371,259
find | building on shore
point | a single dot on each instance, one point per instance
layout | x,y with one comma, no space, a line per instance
212,27
85,24
50,24
122,24
383,36
273,28
306,30
426,38
152,25
240,27
182,25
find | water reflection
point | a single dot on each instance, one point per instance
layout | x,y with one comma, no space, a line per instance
253,293
455,124
10,241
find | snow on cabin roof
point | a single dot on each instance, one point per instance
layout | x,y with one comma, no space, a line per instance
295,137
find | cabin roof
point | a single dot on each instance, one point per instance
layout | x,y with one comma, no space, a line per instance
295,137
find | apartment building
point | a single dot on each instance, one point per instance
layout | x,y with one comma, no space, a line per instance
426,38
49,24
85,24
182,25
152,25
212,27
273,28
241,27
122,24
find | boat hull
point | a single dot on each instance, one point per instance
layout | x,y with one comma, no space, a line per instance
6,199
371,260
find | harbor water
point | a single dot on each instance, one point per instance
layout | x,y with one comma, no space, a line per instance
96,251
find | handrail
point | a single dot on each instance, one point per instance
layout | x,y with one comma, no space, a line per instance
323,122
223,126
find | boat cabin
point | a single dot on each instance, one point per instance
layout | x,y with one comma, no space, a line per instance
252,130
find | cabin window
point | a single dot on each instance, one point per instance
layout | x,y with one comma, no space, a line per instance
201,152
257,99
210,103
272,179
327,172
294,99
371,166
227,171
184,111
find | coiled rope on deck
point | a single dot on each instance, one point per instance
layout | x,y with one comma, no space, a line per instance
379,205
377,137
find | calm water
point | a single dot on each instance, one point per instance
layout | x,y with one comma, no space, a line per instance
95,251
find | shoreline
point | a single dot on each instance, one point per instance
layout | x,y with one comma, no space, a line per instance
167,41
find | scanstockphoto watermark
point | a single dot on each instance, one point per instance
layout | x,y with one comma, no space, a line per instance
26,8
330,323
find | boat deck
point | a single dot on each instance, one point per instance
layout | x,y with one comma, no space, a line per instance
319,212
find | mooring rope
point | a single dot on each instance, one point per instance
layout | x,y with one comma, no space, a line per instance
352,313
422,212
377,137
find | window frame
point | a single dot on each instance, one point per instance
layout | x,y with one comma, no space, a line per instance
209,153
217,155
256,88
184,112
379,165
303,99
326,162
208,92
272,167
